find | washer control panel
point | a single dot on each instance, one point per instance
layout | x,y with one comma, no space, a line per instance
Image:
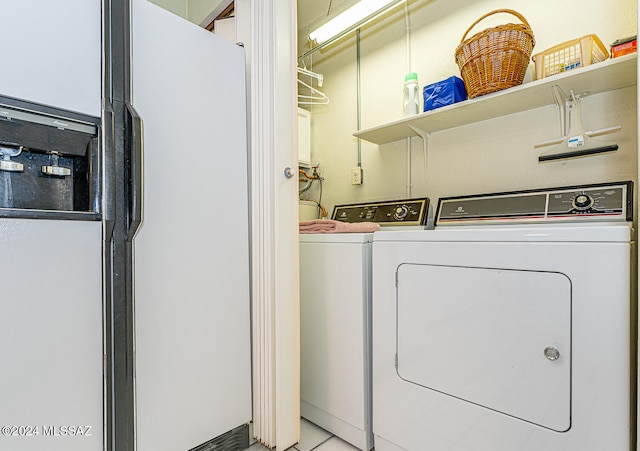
409,212
603,202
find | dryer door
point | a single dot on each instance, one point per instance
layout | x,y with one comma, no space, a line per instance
497,338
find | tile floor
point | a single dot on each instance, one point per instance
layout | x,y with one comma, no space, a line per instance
313,438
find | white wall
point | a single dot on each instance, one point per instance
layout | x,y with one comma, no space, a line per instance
489,156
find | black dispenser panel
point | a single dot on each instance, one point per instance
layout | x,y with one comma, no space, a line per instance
49,162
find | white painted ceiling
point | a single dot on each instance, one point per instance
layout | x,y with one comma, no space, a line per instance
311,13
200,12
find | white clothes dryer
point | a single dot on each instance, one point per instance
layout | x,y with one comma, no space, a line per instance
510,337
335,319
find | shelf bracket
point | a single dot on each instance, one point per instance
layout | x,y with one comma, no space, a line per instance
425,145
576,142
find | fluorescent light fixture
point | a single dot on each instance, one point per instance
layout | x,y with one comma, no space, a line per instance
354,17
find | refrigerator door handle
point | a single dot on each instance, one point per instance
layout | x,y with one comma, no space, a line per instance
109,168
134,147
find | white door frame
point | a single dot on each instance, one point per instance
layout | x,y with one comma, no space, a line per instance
269,38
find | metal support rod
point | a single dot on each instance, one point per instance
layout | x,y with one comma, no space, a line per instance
359,94
408,48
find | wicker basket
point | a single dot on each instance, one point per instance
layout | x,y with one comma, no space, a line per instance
496,58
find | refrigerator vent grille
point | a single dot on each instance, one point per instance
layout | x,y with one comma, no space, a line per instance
233,440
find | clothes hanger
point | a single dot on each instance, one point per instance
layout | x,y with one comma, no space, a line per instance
305,71
315,98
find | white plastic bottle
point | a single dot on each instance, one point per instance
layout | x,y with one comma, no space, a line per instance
411,93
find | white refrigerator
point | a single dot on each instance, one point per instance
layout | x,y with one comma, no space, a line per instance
125,313
191,267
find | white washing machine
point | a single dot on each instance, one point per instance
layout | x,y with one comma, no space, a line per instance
513,335
335,317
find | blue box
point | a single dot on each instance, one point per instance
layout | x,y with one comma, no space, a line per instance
443,93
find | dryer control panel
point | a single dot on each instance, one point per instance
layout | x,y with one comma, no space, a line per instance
603,202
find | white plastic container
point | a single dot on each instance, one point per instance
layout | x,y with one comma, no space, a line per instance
411,93
307,210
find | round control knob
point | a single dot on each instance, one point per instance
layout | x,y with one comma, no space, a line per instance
582,202
401,213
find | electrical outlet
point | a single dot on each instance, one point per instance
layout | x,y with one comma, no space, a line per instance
356,175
